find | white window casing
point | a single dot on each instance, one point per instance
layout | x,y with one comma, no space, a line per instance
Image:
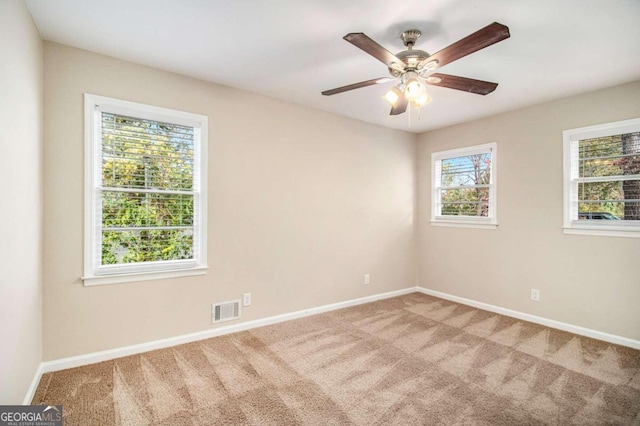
140,146
464,171
585,166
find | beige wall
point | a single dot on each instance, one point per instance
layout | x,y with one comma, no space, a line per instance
302,203
21,206
592,282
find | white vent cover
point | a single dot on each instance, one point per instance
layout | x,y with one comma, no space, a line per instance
225,311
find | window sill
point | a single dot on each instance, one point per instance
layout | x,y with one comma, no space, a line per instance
464,224
95,280
602,231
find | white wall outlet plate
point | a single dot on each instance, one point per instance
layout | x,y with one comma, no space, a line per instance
367,279
535,294
246,299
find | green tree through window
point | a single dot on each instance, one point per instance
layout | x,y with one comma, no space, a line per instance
146,195
608,172
464,186
466,180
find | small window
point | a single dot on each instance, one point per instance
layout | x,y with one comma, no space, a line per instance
145,195
602,179
464,187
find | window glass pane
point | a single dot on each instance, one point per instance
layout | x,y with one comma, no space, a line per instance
147,156
612,156
146,245
609,200
136,209
616,155
139,153
600,211
465,202
466,170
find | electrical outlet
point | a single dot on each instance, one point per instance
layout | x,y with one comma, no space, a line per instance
246,299
367,279
535,294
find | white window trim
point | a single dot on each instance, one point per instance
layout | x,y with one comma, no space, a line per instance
490,222
92,211
573,226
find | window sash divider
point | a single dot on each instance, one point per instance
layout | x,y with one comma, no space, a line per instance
606,178
145,190
113,154
444,203
144,228
447,188
622,200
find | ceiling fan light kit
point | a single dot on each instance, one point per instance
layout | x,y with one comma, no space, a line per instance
414,87
416,68
393,95
421,101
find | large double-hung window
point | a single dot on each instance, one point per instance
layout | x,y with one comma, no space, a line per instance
145,198
463,189
602,179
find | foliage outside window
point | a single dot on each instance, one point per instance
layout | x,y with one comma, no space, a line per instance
145,201
602,179
464,187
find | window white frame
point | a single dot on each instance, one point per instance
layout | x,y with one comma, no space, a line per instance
437,219
94,272
571,224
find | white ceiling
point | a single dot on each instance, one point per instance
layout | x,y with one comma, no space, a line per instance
293,49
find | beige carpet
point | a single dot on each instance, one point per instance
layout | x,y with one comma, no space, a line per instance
409,360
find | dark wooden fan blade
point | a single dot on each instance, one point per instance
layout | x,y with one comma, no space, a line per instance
356,86
461,83
365,43
400,107
485,37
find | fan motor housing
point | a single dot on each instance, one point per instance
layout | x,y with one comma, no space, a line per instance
411,58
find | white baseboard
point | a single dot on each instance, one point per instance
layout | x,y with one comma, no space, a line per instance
34,385
80,360
582,331
77,361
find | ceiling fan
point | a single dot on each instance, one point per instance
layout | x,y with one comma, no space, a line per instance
415,68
